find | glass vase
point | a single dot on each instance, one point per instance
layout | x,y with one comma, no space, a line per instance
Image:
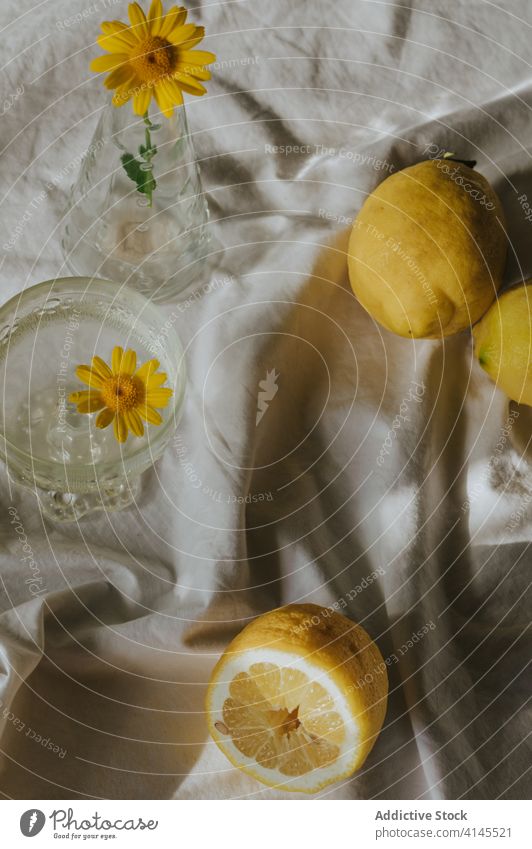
137,212
45,332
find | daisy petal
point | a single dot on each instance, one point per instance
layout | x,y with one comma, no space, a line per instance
123,93
155,16
104,418
145,370
74,397
163,101
158,397
92,404
150,415
195,71
188,84
200,35
112,43
141,101
134,422
101,368
108,63
121,76
119,424
172,91
116,358
175,17
182,34
88,376
121,31
155,381
197,57
129,362
120,98
138,20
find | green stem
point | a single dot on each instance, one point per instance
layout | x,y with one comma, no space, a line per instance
150,152
141,171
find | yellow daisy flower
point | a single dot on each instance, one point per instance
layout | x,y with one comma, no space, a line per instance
123,394
153,57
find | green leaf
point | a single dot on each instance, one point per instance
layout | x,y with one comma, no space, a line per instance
144,179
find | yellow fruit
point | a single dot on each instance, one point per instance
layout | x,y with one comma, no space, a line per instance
427,250
503,343
298,698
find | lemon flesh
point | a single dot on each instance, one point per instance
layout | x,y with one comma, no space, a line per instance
298,698
503,343
427,251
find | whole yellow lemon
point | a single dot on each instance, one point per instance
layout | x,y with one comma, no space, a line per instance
503,343
427,251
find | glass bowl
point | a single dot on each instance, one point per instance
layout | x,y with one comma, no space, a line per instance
45,332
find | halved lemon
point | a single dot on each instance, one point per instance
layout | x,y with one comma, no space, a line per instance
298,698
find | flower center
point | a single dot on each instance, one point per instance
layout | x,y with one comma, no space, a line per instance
121,392
153,58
